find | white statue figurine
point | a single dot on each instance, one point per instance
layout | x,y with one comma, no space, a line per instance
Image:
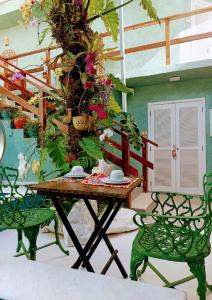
23,167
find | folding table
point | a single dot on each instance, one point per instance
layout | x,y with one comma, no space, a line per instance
114,196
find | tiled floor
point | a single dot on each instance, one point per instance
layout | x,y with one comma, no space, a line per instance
53,255
122,242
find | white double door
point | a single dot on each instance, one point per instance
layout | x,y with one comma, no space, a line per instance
179,161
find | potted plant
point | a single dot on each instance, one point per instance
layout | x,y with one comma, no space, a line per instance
32,128
19,119
7,112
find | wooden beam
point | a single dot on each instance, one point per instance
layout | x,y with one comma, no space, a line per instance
176,41
167,38
19,100
61,126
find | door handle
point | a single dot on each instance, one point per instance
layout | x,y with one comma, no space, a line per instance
174,152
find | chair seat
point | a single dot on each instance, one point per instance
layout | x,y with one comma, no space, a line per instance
170,243
26,218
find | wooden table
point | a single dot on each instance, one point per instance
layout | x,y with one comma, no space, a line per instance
114,197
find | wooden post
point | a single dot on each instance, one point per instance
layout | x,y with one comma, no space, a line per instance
145,172
48,58
42,116
125,154
167,37
126,160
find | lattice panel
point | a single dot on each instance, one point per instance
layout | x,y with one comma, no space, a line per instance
188,119
189,168
162,127
162,173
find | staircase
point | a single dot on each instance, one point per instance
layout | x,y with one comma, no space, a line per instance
123,156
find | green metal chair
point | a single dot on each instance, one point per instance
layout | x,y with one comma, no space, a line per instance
25,213
177,229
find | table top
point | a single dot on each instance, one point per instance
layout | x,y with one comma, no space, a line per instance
78,189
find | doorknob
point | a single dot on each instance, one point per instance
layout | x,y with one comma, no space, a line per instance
174,152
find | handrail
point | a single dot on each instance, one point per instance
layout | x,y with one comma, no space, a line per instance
167,43
19,100
26,73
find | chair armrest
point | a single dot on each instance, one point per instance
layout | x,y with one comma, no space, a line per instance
158,217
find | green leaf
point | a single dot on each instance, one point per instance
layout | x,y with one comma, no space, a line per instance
131,128
111,19
151,11
91,146
119,86
43,34
95,7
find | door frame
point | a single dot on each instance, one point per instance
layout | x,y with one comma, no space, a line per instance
202,99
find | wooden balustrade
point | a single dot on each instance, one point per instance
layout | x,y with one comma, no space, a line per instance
167,43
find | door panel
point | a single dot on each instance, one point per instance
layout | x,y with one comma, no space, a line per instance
190,166
162,122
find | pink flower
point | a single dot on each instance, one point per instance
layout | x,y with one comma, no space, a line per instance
107,82
90,57
78,2
87,85
17,76
33,22
90,69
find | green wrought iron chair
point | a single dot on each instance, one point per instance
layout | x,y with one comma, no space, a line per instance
25,213
177,229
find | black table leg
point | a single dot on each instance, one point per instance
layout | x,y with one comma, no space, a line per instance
94,234
103,235
80,250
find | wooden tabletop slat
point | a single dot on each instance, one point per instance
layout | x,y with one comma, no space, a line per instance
79,190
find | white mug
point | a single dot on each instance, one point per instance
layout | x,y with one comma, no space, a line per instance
116,175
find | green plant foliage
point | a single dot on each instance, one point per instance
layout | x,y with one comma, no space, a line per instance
56,148
85,161
119,85
148,6
56,144
91,146
131,128
111,19
43,34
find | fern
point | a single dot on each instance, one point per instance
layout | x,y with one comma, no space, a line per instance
111,19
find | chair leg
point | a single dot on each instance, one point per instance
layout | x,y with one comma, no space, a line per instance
31,234
135,262
19,231
66,252
198,269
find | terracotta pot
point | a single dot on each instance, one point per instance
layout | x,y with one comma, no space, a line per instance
20,122
81,122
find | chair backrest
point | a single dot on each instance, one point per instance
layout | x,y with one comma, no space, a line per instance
10,200
207,187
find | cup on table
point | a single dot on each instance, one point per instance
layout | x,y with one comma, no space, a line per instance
77,170
116,175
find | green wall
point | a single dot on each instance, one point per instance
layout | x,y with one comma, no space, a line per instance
189,89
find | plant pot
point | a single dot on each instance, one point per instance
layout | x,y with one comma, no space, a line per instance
81,122
19,122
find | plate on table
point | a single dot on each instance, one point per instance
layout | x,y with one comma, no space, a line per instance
69,175
107,180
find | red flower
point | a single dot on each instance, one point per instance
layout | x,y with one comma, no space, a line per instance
99,109
88,85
